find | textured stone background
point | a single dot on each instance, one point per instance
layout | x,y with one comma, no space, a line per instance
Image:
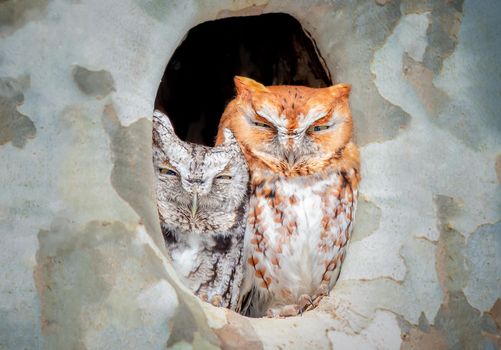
82,262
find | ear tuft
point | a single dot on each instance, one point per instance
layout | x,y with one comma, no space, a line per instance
229,138
162,120
340,90
243,84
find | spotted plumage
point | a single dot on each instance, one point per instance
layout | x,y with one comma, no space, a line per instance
304,179
202,199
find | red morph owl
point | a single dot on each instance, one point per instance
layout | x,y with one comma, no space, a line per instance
305,172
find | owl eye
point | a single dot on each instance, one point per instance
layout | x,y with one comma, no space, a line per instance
315,128
263,125
167,171
224,177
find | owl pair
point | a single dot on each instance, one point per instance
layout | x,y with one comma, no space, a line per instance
296,220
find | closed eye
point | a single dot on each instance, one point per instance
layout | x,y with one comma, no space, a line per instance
167,171
262,125
315,128
224,177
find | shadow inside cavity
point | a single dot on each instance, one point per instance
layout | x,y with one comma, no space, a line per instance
197,84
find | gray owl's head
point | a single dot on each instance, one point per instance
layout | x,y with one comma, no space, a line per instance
199,189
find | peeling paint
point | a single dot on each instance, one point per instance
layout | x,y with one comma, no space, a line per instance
15,127
94,83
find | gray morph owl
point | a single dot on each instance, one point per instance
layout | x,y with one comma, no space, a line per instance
202,199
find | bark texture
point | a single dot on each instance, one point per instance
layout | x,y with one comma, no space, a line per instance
82,263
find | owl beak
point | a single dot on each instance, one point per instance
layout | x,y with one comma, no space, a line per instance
194,204
288,142
291,159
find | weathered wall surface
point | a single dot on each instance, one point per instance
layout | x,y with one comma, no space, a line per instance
82,264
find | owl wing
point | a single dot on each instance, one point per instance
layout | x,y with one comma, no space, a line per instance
216,276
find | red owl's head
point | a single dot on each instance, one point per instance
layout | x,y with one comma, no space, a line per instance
294,130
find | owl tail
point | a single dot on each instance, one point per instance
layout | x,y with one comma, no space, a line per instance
244,305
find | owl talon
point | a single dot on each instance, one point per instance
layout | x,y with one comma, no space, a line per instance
216,300
290,310
321,291
305,301
312,306
203,296
271,313
284,311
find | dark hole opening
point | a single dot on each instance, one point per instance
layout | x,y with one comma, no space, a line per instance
197,84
